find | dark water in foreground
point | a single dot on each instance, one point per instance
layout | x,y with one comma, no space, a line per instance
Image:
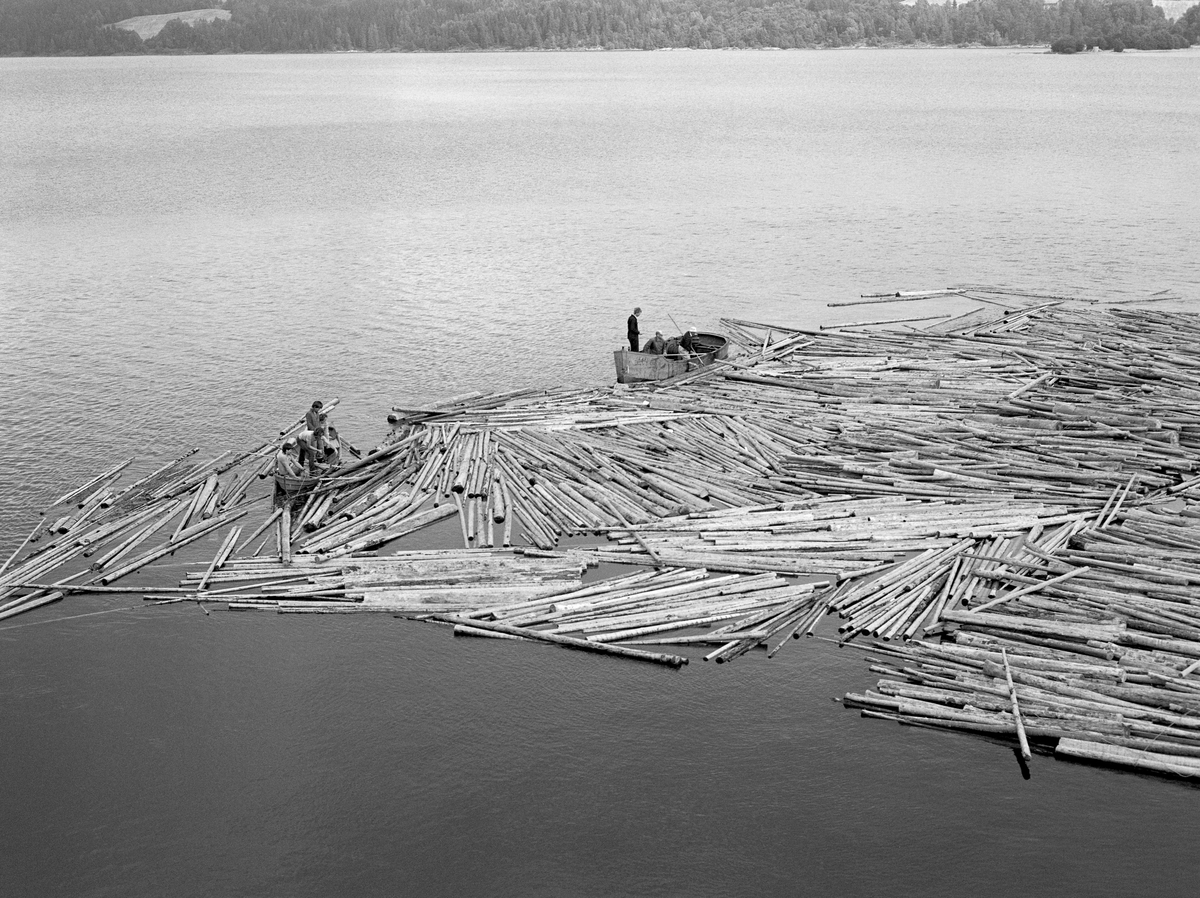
192,249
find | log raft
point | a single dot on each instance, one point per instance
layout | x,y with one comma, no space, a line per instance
1004,504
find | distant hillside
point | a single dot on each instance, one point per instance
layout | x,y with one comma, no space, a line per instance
1172,9
147,27
45,27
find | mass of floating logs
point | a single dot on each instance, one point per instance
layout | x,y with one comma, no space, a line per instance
536,595
1004,505
1097,665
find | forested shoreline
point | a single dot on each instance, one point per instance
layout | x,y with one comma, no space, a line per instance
82,27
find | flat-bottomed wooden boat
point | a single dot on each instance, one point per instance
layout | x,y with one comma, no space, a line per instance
641,367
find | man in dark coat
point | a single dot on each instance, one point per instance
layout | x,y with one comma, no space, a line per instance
633,329
688,340
312,417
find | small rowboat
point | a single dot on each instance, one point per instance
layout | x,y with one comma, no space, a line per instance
294,484
640,367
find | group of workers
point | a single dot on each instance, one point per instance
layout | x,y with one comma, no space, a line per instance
315,450
681,347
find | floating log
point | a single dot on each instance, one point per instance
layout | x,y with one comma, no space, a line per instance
1016,709
155,554
675,661
1160,762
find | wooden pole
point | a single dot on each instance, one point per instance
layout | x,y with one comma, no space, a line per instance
675,661
222,554
24,543
1016,709
285,534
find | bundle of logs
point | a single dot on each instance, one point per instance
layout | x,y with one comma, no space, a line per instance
1002,502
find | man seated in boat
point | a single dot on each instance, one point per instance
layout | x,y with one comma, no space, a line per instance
688,341
674,349
656,345
286,464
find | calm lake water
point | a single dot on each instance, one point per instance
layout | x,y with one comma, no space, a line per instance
192,249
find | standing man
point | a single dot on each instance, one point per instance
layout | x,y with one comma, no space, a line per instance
308,442
633,329
312,417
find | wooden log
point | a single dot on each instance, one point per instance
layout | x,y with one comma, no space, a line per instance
36,527
675,661
498,505
1030,589
1161,762
285,533
192,479
90,505
1053,629
465,630
103,533
392,531
1175,646
37,566
261,530
207,500
1016,709
29,603
95,481
188,514
92,588
222,554
154,555
172,508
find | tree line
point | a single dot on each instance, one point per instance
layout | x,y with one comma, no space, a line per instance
45,27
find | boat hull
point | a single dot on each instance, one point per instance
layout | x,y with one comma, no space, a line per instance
293,484
645,367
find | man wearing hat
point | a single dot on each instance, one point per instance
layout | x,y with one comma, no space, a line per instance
688,340
656,344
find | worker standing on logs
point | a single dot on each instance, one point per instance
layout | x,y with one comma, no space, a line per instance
633,329
656,345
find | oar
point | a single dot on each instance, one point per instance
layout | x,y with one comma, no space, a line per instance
691,354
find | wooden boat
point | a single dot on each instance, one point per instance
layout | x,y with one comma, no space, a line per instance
640,367
293,484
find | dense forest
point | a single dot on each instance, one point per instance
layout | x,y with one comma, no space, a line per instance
40,27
